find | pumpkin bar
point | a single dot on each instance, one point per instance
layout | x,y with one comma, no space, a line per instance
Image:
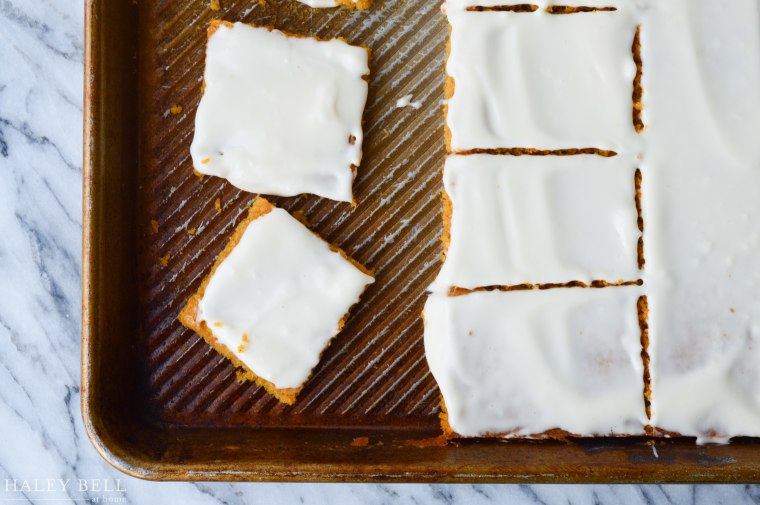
274,299
281,114
538,363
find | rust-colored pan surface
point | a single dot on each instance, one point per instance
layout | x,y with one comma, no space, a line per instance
161,404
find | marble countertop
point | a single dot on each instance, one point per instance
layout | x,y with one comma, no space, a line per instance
45,455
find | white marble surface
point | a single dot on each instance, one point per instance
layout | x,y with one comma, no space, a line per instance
41,432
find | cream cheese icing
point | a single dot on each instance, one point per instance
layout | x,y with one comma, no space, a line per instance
320,4
543,4
701,196
278,298
540,80
281,114
539,219
702,213
520,363
408,101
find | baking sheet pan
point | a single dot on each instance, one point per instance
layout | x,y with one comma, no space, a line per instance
160,404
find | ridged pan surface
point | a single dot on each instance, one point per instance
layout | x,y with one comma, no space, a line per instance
374,373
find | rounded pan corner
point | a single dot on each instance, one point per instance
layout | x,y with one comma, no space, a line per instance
111,449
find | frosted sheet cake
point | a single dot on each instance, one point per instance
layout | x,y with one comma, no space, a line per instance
688,117
701,196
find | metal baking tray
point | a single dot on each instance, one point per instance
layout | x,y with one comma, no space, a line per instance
159,403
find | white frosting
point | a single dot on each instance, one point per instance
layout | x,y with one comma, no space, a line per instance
322,3
541,80
286,290
277,112
701,199
543,4
540,219
520,363
701,194
406,101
